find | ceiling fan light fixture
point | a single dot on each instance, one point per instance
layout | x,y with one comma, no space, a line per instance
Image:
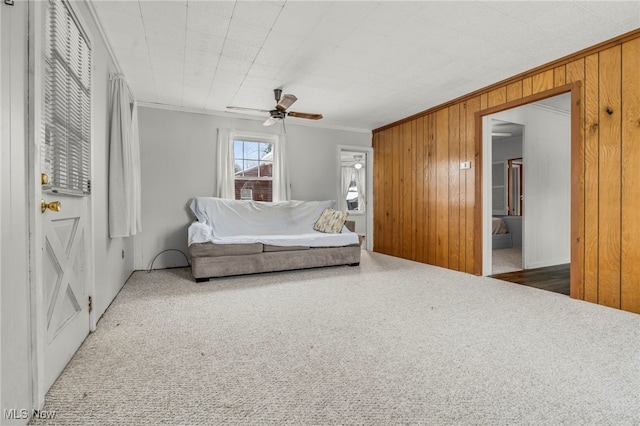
269,121
283,102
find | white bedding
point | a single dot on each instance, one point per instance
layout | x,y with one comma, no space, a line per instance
498,226
287,223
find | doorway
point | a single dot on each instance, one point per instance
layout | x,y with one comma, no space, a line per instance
60,213
542,181
507,141
355,191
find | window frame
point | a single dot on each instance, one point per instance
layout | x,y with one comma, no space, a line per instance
256,138
62,178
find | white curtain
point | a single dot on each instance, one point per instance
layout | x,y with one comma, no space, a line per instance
281,181
345,181
124,162
360,179
225,171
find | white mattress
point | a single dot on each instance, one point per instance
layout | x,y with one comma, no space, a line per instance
316,239
498,226
287,223
201,233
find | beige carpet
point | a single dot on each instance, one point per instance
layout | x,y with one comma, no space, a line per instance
390,342
506,260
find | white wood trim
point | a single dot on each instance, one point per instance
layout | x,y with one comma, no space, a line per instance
3,116
235,115
487,196
38,318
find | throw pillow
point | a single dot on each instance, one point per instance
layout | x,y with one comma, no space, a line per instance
330,221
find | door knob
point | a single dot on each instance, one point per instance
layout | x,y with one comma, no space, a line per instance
54,206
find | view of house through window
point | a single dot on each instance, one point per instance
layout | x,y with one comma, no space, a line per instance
253,167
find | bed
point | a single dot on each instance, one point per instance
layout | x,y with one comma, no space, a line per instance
500,234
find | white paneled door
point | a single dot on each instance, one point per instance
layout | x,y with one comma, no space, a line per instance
65,279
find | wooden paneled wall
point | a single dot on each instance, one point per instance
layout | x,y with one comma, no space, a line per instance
427,209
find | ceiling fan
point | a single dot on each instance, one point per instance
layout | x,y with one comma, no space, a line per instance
280,111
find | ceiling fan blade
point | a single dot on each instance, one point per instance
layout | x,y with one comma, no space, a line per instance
270,121
307,115
286,101
247,109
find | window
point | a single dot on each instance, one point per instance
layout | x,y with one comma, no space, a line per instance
66,124
253,169
352,193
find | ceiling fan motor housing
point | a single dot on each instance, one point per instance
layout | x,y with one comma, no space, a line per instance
278,114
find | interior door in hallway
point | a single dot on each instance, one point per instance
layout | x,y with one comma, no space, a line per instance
65,280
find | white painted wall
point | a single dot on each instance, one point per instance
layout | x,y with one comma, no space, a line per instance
547,188
178,156
111,271
15,390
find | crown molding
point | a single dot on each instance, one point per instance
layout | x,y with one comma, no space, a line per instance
549,108
235,115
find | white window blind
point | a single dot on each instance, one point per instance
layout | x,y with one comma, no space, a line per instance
66,148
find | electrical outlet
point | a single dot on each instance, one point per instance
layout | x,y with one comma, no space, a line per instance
465,165
123,253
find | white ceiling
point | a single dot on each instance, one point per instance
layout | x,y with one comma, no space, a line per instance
362,64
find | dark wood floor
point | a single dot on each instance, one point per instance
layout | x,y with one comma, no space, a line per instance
552,278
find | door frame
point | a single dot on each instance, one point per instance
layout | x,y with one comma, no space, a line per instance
577,181
36,18
368,151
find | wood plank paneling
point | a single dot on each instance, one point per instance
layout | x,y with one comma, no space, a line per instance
591,194
388,240
527,87
630,266
387,164
484,101
378,173
610,112
442,188
454,187
575,73
406,190
497,97
396,193
419,192
472,106
542,81
431,212
559,78
514,91
427,208
425,193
